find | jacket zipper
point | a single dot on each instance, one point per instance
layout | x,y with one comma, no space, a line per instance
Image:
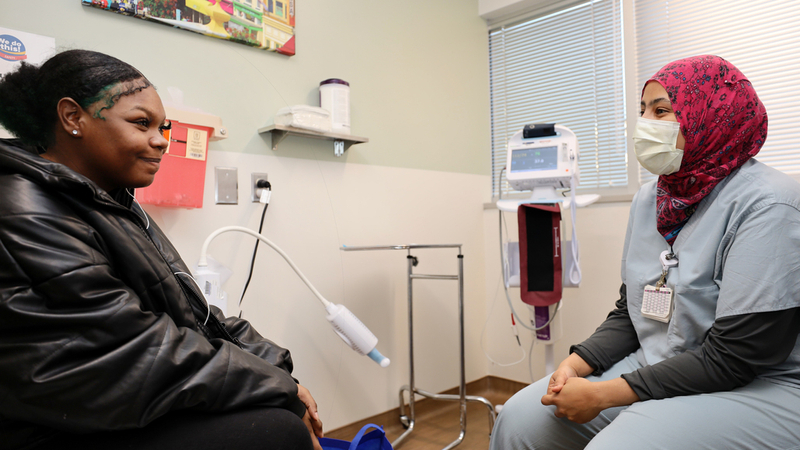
214,321
220,326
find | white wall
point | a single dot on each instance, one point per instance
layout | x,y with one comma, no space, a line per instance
318,206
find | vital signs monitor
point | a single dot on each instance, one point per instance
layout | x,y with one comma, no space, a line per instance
542,155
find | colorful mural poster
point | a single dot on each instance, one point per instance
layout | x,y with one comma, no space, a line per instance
18,46
265,24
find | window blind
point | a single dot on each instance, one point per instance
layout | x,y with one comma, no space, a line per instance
758,37
567,68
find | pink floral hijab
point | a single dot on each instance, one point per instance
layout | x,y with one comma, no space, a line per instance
724,124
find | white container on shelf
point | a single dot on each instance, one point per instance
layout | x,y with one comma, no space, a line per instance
304,116
334,96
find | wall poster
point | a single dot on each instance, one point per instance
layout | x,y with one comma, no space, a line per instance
265,24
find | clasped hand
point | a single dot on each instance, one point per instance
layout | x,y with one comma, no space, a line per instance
581,400
574,397
311,417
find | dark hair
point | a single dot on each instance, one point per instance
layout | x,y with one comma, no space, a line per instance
29,95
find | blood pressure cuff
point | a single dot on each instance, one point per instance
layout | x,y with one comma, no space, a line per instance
540,253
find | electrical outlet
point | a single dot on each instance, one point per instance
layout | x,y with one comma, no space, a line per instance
226,191
255,191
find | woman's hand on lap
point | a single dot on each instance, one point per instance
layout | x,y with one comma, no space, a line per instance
311,417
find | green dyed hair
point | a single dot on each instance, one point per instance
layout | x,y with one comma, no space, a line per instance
29,96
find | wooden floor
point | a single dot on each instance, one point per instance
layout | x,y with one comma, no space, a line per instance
437,422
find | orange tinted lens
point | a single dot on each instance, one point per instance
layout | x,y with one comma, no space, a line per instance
165,129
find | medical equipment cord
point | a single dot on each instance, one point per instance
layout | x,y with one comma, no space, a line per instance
514,331
253,259
574,271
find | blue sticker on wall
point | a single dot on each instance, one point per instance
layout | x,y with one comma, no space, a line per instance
11,48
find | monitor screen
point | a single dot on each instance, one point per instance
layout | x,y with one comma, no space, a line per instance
541,158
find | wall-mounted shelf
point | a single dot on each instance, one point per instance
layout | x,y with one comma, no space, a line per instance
341,142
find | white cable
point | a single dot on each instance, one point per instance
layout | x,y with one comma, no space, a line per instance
483,333
208,305
522,358
147,226
204,258
530,361
574,271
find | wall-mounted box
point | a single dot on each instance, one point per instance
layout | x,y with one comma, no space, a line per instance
181,177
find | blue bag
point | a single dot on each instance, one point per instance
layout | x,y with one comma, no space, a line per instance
374,440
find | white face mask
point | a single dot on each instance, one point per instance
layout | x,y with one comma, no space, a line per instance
654,143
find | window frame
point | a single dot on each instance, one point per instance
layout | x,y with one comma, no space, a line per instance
631,91
737,45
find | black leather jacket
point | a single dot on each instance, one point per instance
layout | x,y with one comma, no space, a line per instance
97,329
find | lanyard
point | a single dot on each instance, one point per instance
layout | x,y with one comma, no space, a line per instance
668,259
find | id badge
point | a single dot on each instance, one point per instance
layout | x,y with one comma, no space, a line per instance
657,303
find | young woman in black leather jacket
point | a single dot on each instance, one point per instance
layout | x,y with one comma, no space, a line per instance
105,341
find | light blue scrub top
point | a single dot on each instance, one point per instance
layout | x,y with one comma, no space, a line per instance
739,253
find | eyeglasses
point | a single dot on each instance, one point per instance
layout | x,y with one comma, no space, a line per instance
165,129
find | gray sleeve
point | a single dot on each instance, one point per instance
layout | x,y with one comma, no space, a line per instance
613,340
730,357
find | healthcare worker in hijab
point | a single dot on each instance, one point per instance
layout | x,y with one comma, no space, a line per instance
719,366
